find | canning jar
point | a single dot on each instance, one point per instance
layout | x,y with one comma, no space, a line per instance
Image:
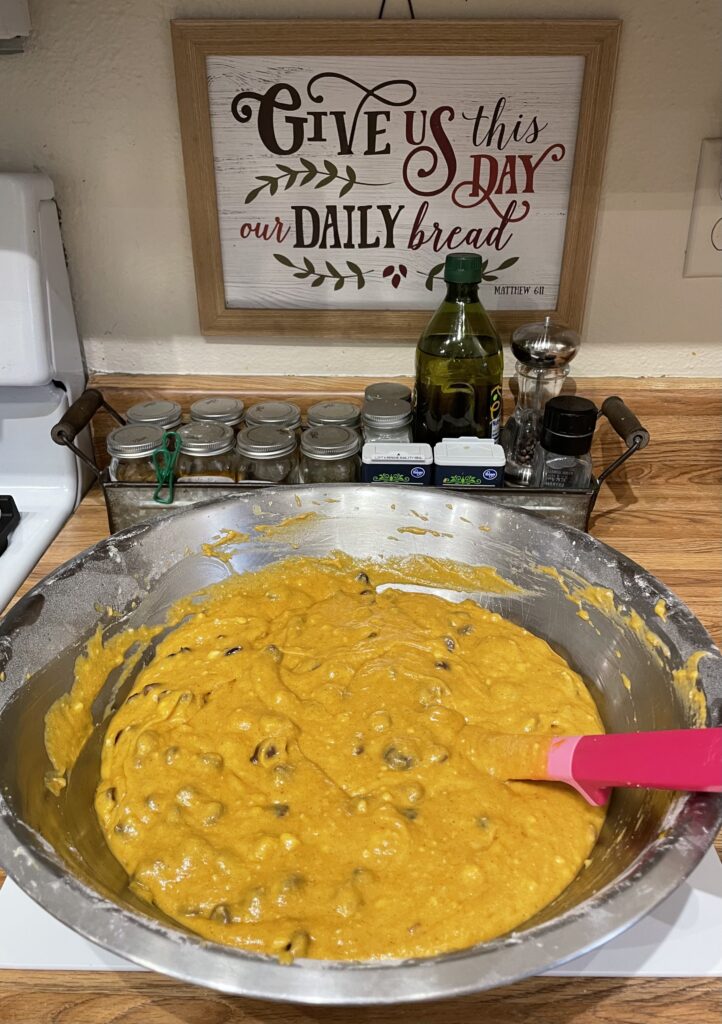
266,454
131,449
387,420
206,453
274,414
159,412
330,455
218,409
334,414
387,391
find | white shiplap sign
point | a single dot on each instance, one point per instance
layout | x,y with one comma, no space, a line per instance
346,181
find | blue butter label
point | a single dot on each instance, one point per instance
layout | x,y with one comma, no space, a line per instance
396,473
468,476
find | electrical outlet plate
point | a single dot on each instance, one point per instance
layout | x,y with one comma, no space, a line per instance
703,257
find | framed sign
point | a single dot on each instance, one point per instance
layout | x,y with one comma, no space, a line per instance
331,167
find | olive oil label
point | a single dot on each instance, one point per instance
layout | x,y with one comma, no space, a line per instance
495,413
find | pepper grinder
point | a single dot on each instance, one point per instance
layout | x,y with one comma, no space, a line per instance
543,352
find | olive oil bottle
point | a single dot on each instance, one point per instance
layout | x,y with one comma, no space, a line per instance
459,362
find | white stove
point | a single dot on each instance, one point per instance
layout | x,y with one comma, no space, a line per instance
41,373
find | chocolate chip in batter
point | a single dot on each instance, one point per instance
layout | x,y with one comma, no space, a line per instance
363,578
465,630
280,810
409,812
397,760
443,665
221,914
181,650
450,643
233,650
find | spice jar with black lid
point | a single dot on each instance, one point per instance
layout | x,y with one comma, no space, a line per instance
562,459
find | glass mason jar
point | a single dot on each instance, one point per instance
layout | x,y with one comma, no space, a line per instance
218,409
334,414
266,454
387,391
521,433
206,453
159,412
387,420
131,448
274,414
330,455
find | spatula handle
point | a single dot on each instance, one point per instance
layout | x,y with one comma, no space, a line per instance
687,759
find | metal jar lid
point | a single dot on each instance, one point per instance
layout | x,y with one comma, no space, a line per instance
387,391
264,442
134,441
204,438
274,414
160,412
386,413
218,409
337,414
330,442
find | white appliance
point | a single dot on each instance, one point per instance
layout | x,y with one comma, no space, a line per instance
41,373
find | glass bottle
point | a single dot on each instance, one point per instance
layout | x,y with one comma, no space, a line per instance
158,412
459,362
206,453
330,455
131,448
562,459
386,420
266,454
543,351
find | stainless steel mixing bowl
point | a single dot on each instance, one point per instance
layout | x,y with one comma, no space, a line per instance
52,847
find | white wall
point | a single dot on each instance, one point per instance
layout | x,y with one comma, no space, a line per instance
92,103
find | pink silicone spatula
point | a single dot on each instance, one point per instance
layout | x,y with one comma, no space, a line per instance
687,759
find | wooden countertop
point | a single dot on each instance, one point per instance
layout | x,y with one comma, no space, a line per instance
664,510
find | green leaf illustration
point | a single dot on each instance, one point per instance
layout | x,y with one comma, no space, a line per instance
355,269
253,194
508,263
490,277
433,273
333,274
290,176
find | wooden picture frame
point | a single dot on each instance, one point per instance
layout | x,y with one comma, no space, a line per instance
195,42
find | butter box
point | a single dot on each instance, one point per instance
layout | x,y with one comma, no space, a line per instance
468,462
391,462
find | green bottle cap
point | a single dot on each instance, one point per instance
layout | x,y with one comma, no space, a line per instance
463,268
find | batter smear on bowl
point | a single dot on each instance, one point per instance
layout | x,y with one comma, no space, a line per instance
292,773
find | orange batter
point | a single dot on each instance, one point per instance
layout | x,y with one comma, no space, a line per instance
292,774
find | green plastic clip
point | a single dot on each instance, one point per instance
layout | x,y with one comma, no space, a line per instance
164,460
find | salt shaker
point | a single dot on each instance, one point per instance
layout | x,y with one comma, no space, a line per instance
543,352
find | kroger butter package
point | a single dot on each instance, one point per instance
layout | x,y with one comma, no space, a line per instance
468,462
391,462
